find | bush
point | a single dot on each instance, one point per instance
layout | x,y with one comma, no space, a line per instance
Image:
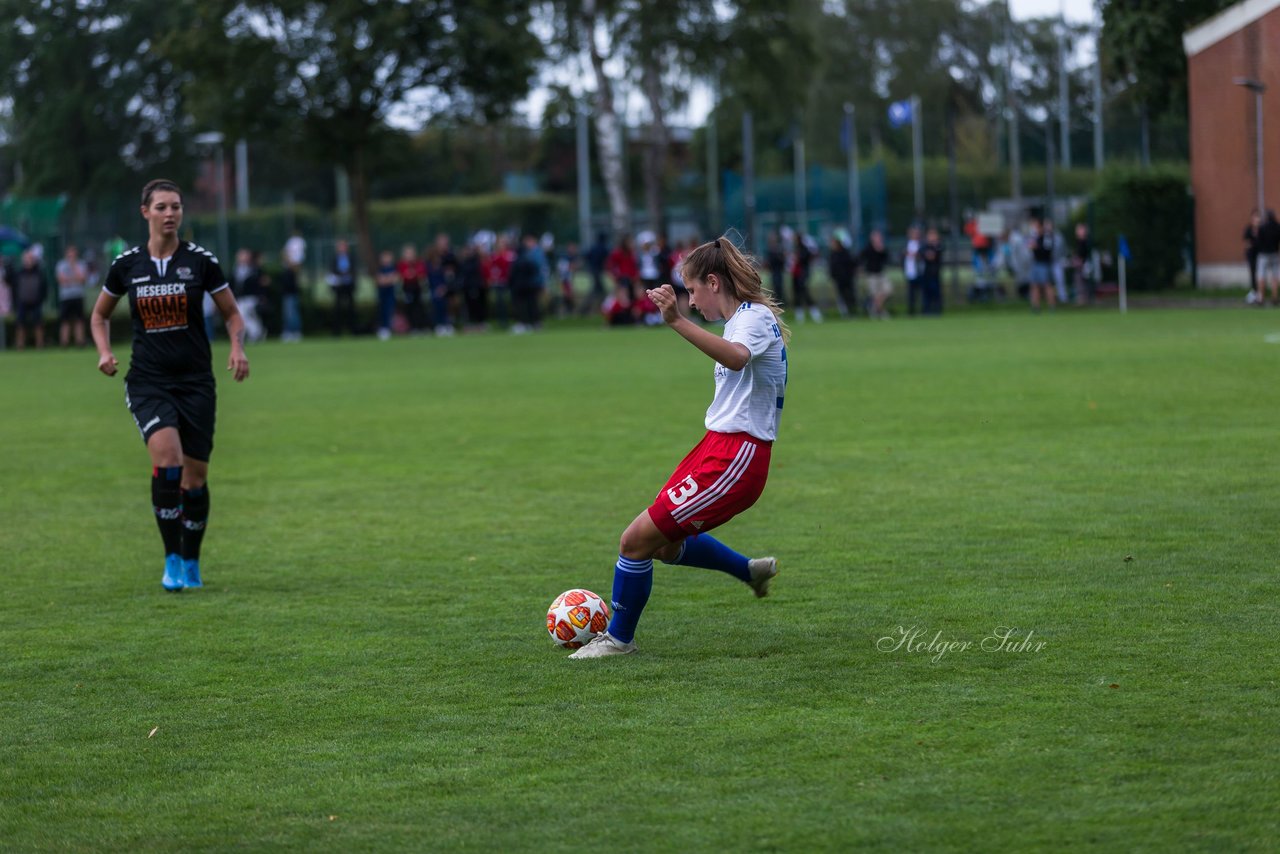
1152,209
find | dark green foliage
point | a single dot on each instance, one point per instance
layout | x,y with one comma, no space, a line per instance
1142,46
1152,209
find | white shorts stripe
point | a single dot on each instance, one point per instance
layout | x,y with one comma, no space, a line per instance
722,485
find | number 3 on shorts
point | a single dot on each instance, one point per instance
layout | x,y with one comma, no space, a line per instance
681,492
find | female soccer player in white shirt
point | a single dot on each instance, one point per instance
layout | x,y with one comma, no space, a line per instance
726,472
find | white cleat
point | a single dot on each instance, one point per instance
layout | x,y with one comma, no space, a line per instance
604,644
763,569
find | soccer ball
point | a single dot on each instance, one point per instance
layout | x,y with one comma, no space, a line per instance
575,617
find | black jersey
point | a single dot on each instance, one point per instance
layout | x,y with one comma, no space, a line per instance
166,305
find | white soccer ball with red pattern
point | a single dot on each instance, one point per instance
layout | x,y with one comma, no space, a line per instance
576,616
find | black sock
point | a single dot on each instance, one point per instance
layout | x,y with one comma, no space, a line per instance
166,500
195,515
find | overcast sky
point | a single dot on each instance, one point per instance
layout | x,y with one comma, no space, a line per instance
1075,10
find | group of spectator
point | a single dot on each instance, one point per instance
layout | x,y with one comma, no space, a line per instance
24,291
512,282
1046,269
440,290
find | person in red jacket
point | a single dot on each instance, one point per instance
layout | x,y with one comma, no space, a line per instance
622,265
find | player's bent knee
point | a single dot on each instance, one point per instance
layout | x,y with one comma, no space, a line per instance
668,553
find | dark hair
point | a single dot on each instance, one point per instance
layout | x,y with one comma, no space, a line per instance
159,185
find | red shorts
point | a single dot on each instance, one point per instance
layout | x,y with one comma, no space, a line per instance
722,476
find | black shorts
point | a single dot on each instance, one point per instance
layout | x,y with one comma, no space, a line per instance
30,316
71,309
190,406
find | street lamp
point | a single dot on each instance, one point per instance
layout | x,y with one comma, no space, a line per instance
1257,87
214,139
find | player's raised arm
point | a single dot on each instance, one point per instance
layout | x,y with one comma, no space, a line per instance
732,355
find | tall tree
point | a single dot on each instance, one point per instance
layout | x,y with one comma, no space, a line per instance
590,25
1142,45
669,43
329,76
93,105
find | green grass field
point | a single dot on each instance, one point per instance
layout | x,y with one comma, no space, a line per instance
368,666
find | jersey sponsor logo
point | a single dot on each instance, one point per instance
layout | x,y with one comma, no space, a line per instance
185,273
682,492
167,289
136,280
162,307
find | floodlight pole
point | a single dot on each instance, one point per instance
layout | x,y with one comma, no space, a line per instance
917,153
748,179
1257,87
213,138
855,189
802,190
584,178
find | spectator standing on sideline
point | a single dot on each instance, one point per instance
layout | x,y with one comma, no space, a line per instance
1251,254
912,268
874,259
246,279
597,257
289,304
6,299
292,256
622,265
524,287
30,289
647,262
567,263
931,273
387,279
801,267
1085,283
413,273
295,252
499,276
775,259
1059,260
342,282
841,265
72,275
1041,266
1269,259
472,270
444,279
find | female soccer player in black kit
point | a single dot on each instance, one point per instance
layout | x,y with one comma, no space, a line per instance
169,388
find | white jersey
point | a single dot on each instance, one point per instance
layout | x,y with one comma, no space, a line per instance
750,400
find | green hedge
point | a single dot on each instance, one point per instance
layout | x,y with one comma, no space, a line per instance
1153,210
395,222
417,220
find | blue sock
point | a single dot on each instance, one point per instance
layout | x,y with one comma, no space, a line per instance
632,581
706,552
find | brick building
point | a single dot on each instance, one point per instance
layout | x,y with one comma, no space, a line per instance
1239,44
